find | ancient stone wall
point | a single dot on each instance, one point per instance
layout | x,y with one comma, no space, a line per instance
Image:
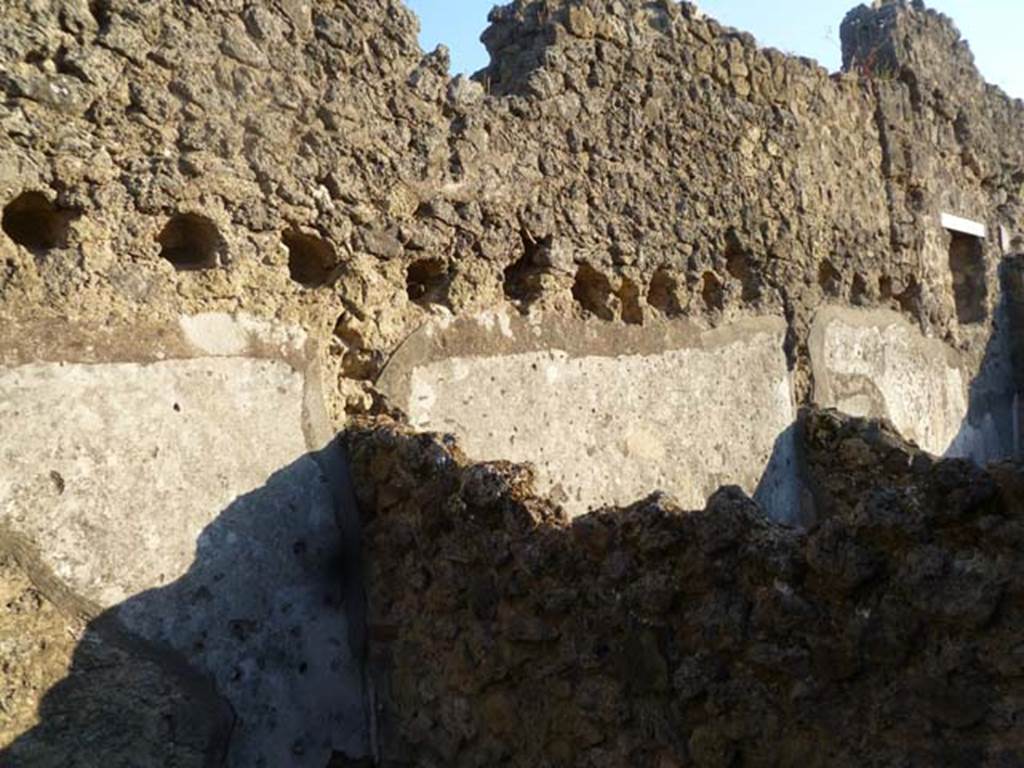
222,217
164,159
623,161
951,144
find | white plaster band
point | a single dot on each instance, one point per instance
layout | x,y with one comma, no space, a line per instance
966,226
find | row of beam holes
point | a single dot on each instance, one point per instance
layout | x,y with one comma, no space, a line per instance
427,280
35,223
595,293
189,241
830,280
192,242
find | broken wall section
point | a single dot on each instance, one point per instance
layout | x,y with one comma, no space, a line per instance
503,632
952,147
675,158
160,159
876,364
623,160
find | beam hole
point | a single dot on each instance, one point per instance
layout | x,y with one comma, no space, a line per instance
426,281
312,261
190,242
32,221
593,291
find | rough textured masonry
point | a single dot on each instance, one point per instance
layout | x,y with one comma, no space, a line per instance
506,634
628,253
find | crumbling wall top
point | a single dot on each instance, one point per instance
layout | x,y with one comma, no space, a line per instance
893,38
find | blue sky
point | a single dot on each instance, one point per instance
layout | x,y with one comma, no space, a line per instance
803,27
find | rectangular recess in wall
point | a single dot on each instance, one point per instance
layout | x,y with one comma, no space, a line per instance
970,285
964,226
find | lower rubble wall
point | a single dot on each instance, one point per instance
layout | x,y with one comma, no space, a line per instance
502,632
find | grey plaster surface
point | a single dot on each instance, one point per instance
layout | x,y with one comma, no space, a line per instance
185,496
607,414
130,462
877,364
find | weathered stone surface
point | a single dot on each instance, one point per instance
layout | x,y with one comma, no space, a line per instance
623,162
36,645
505,633
85,694
606,415
617,159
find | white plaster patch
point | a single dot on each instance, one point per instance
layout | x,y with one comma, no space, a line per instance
113,470
224,335
496,320
421,401
181,496
215,333
877,364
611,430
965,226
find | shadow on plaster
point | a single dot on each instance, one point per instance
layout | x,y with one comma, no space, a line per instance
252,658
956,403
990,431
782,492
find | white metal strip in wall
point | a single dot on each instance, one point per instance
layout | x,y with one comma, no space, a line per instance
966,226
